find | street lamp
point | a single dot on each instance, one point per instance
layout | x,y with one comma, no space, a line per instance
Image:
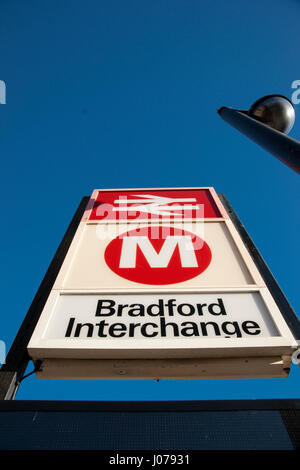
266,123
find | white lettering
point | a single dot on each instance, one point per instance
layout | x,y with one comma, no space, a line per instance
161,259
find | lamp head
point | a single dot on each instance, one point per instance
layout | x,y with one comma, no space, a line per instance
275,111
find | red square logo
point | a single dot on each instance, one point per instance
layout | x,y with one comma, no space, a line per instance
154,204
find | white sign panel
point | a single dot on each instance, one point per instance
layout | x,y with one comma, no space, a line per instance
159,318
125,325
200,255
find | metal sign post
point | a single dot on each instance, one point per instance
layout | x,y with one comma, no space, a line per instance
17,358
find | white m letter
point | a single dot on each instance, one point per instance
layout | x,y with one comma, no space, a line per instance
161,259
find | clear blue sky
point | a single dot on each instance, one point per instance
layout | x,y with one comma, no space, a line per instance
124,94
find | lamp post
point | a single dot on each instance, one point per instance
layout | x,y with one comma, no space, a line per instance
266,123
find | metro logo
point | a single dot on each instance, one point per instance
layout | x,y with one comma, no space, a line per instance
158,255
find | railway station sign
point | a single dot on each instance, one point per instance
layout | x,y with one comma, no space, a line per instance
158,283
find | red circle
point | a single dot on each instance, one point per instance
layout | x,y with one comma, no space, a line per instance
171,273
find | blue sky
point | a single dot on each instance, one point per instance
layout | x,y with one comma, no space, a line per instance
124,94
